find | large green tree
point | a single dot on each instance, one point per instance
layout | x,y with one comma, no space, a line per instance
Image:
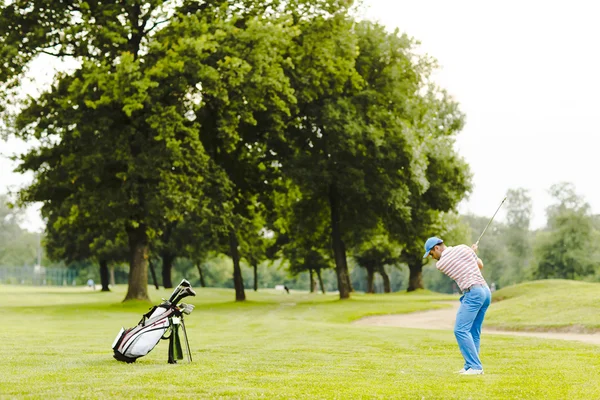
120,156
115,140
350,148
111,34
563,250
375,139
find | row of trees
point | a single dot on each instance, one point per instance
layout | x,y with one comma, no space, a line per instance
512,251
254,129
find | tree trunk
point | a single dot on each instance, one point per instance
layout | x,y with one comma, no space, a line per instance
415,280
350,287
312,280
339,250
104,275
370,279
320,280
202,283
167,266
153,273
238,281
386,280
138,264
112,276
255,276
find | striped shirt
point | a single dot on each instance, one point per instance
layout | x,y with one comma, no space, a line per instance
460,263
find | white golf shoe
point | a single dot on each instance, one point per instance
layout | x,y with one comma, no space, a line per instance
471,371
462,371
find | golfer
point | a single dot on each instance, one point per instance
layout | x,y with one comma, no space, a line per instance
462,264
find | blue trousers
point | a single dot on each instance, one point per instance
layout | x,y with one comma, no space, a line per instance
469,319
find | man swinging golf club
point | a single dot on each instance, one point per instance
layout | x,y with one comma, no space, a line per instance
462,264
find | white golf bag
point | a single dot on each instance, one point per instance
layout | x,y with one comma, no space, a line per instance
161,322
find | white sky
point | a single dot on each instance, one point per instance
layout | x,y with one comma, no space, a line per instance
527,75
41,73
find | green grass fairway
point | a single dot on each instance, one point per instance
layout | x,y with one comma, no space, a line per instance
55,343
547,305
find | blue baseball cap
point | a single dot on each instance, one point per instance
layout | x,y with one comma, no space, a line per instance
430,244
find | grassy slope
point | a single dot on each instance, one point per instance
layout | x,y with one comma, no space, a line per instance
56,344
547,305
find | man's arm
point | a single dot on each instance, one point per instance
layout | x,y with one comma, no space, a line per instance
479,262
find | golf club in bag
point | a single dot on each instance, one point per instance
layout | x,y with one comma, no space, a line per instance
161,322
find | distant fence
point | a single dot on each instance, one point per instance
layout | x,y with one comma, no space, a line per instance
37,276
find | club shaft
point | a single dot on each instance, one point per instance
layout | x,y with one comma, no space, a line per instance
187,344
489,223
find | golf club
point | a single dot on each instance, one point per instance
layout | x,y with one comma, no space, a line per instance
187,344
485,229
